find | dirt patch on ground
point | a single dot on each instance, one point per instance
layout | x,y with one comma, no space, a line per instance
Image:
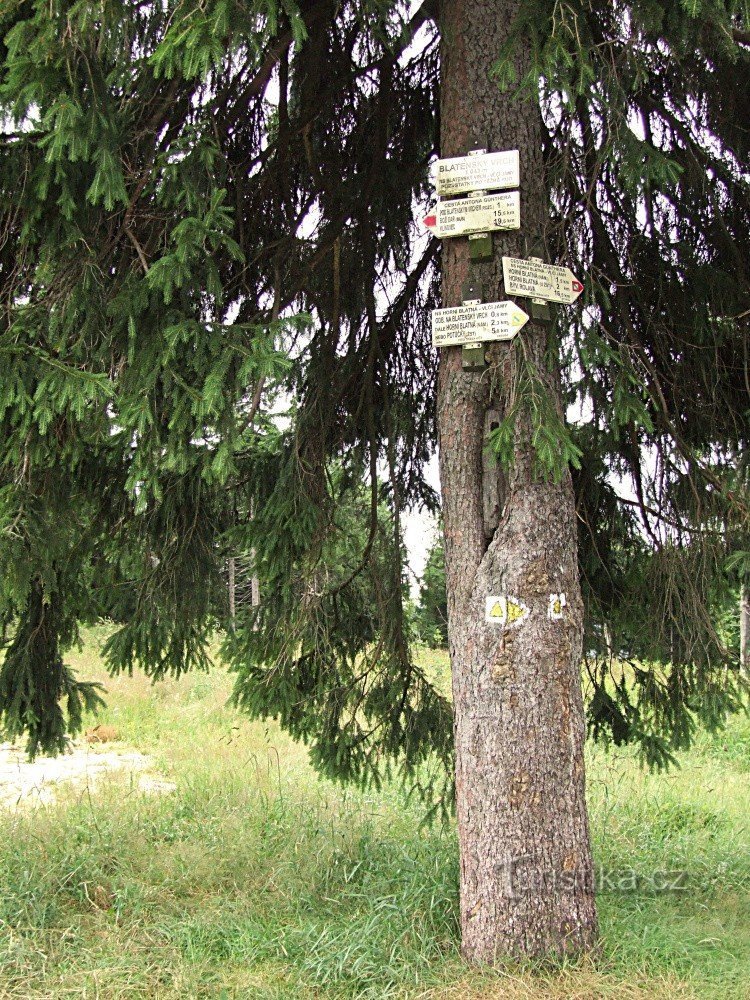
25,783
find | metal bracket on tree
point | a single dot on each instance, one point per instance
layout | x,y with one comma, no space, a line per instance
480,244
541,310
473,357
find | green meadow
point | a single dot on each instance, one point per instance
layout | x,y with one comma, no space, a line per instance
255,878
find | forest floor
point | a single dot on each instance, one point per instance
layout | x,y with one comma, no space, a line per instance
250,877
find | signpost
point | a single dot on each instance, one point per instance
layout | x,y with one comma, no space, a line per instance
487,172
536,280
483,214
476,323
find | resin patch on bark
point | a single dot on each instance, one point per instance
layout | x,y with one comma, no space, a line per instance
503,667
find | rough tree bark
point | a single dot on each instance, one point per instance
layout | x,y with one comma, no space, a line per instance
526,870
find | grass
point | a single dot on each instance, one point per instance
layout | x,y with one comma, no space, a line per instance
257,879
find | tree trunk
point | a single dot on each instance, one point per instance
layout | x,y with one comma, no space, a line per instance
526,869
744,627
232,591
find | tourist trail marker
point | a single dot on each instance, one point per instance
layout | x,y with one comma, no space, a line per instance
480,172
510,612
536,280
476,323
483,214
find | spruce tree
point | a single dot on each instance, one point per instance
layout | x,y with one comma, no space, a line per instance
208,215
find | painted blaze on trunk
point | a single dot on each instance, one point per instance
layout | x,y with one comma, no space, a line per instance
526,872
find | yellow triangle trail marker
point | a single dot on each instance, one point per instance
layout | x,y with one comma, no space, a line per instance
505,610
516,611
